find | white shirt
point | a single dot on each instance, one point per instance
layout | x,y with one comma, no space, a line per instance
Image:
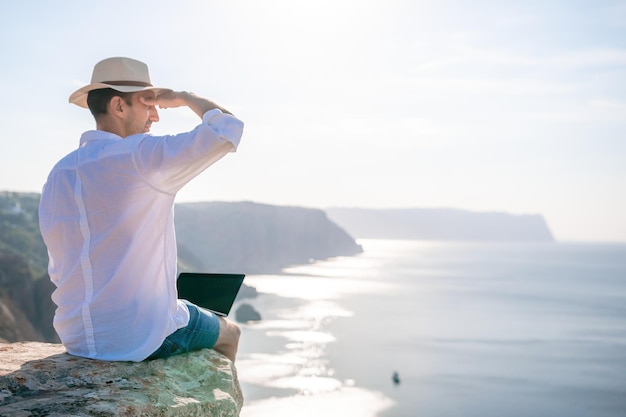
106,216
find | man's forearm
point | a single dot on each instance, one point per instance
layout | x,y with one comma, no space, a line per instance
198,105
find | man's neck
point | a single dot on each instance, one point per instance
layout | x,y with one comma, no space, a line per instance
107,124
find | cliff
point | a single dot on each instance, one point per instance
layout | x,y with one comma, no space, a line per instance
441,224
255,238
26,308
38,379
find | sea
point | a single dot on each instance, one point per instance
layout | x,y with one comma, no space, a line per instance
470,329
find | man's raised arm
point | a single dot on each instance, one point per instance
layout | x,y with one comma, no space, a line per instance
199,105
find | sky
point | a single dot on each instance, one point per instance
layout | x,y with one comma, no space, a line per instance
508,106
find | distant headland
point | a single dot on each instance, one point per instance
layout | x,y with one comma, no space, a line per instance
255,238
441,224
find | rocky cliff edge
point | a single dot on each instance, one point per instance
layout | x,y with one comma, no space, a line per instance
42,379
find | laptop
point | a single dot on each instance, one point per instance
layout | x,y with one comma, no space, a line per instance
214,292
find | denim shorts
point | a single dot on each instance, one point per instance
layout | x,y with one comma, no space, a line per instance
201,332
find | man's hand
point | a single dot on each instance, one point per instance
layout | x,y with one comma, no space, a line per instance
171,99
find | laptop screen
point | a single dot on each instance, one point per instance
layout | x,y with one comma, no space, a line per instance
215,292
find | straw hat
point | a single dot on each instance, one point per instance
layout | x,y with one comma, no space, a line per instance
121,74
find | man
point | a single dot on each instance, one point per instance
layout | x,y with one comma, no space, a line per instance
106,216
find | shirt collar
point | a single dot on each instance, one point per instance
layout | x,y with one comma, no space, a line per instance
93,135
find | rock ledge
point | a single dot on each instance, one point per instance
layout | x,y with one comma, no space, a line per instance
38,379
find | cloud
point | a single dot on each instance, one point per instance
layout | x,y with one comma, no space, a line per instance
609,105
477,85
587,58
408,127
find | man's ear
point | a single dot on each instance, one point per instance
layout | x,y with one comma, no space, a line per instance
117,106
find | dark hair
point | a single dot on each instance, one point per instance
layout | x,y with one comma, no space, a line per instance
98,100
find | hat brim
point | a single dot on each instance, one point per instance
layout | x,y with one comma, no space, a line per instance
79,97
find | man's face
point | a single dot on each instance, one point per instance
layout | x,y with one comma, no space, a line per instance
141,115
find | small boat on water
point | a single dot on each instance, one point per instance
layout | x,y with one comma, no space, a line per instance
395,378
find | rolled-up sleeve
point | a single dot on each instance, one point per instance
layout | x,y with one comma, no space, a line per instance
229,126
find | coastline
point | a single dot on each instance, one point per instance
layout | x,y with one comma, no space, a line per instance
284,360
